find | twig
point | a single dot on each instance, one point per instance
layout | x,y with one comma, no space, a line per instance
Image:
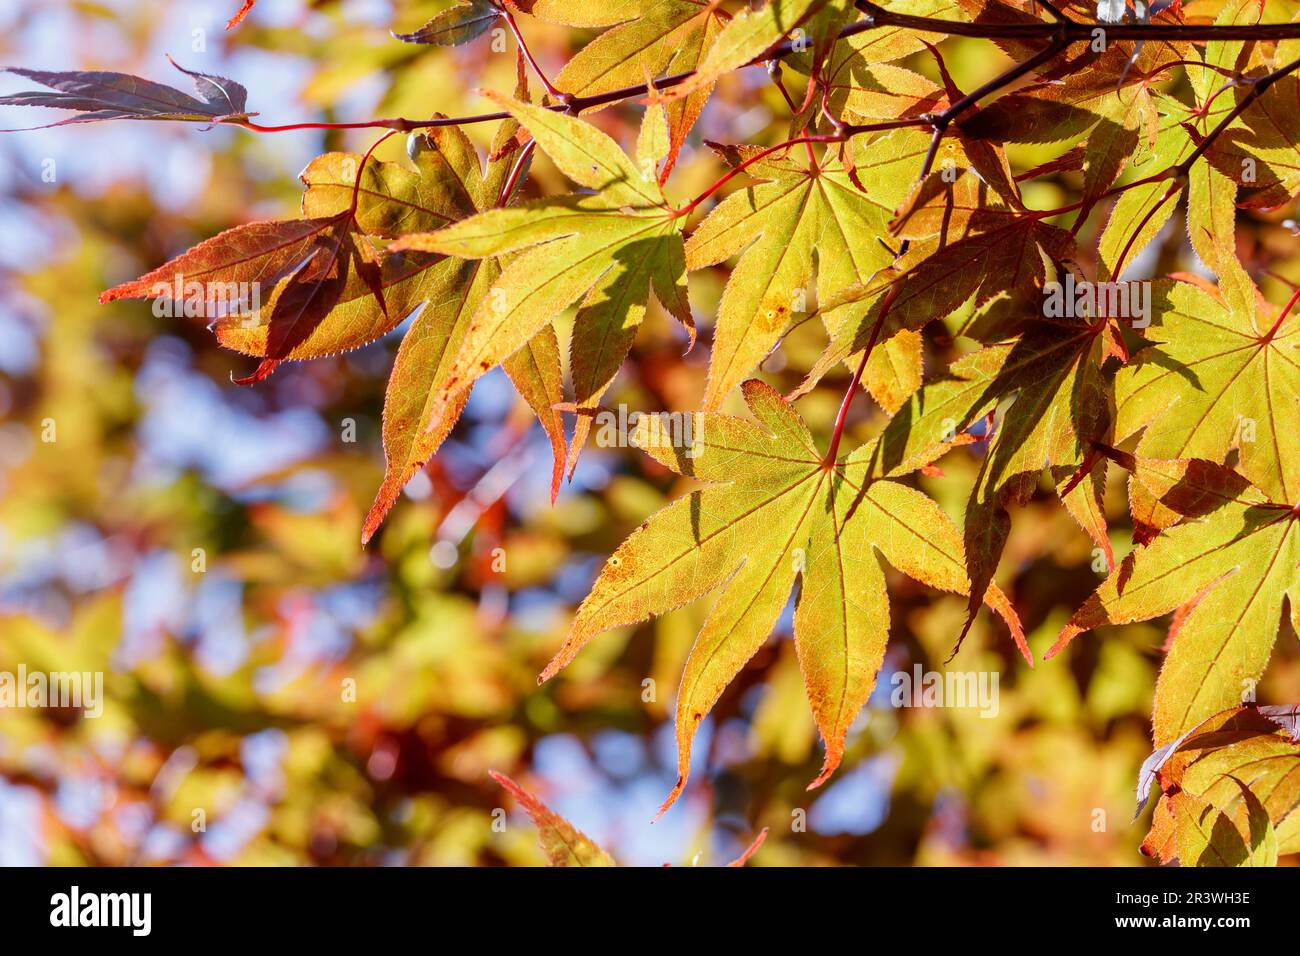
509,17
1073,31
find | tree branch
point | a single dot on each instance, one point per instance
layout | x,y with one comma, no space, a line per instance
1073,31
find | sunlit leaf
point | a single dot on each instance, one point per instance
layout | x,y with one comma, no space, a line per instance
774,512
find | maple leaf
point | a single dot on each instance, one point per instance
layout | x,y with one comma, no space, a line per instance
971,246
856,74
1212,193
931,215
101,95
773,511
1221,379
1142,210
605,251
325,286
1206,835
1120,119
1229,791
458,24
1232,561
796,213
1063,404
305,266
414,425
860,91
1081,91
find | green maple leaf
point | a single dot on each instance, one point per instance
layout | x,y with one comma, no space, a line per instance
1060,404
860,82
605,251
1063,404
774,511
797,213
1053,368
1218,381
1229,565
853,275
974,253
862,92
1207,835
1259,151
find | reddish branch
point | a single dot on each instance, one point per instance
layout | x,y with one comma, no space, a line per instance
1281,317
1072,31
509,17
356,186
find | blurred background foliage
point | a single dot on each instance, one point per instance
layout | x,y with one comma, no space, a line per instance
198,543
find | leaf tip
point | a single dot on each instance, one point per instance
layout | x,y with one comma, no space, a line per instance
260,374
238,18
961,638
1068,633
750,850
672,798
827,769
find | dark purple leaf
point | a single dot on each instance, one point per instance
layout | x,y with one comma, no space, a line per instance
100,95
